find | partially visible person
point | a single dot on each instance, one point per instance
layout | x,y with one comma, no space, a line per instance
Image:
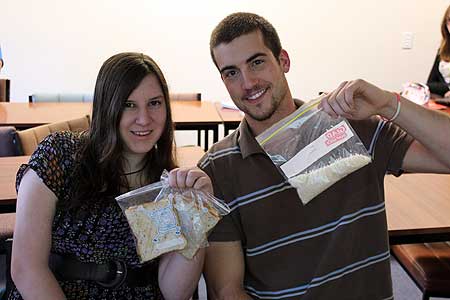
271,246
1,59
439,78
71,240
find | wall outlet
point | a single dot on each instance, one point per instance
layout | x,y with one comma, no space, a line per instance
407,40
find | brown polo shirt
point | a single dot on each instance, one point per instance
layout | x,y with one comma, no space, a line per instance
335,247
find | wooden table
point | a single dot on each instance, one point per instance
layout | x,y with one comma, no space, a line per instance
231,118
418,205
434,106
187,115
187,156
418,208
26,115
196,115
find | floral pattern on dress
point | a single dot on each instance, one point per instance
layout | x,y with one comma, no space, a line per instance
99,235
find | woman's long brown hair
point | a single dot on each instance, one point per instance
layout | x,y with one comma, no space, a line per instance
99,174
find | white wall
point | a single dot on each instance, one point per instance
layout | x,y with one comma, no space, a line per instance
59,45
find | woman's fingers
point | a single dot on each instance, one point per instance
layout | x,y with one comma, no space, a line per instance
190,178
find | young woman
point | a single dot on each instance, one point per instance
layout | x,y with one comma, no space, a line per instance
71,239
439,78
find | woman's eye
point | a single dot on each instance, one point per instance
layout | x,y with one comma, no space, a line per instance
155,103
129,104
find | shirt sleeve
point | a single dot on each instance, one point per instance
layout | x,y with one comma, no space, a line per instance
52,161
397,142
386,142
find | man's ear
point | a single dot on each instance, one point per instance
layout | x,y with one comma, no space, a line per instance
285,62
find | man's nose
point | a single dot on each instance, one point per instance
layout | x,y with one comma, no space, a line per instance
249,80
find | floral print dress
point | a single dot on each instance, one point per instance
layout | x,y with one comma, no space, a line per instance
101,234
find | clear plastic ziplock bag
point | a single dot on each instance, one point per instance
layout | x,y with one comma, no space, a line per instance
165,219
313,150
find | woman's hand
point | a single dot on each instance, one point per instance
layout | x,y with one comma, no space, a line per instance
191,177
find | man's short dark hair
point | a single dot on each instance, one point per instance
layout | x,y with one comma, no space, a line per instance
241,23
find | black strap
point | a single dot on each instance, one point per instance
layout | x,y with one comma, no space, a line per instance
69,268
108,275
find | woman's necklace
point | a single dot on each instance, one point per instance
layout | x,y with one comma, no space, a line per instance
137,171
134,172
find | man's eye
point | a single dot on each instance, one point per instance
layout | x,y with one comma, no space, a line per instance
257,62
230,74
129,104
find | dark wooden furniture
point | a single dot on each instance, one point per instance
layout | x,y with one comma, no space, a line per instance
231,118
418,208
428,264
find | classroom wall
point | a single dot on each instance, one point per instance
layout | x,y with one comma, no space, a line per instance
59,45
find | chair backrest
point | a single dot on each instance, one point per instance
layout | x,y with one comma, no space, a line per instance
8,144
30,138
185,96
88,97
61,97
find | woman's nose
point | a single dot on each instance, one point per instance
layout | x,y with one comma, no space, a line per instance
143,116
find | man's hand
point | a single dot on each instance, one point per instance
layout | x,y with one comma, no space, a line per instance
359,100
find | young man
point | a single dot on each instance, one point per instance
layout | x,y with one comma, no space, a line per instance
271,246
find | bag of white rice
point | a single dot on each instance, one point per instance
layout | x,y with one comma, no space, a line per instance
312,150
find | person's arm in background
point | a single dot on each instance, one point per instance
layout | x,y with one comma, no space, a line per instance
358,100
1,59
32,240
436,82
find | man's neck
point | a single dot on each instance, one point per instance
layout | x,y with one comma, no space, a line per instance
257,127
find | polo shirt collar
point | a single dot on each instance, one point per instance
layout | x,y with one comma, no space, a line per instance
247,142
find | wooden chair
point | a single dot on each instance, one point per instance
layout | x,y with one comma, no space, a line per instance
189,97
61,97
428,264
29,139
